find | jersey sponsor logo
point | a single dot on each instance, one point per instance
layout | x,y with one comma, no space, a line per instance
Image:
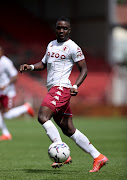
52,55
56,55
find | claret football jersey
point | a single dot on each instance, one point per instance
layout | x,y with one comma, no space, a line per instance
60,58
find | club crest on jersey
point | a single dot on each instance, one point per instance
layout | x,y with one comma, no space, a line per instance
65,49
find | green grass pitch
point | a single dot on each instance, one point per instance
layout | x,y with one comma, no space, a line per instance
25,157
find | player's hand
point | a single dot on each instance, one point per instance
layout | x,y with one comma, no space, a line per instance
73,91
3,87
25,67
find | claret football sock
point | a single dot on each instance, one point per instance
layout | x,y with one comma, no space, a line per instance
52,131
83,142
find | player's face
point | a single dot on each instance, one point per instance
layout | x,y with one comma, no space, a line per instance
62,31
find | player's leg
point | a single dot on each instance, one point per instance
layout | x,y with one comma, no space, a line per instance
18,111
5,132
47,110
58,118
82,141
44,116
13,112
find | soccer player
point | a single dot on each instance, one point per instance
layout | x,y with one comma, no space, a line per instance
8,76
60,57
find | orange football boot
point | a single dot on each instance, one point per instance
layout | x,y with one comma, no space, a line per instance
68,161
29,109
5,137
99,162
58,165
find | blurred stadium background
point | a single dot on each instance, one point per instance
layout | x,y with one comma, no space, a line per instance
98,27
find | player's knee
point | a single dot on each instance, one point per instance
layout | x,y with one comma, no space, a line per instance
44,114
65,132
68,132
67,128
42,119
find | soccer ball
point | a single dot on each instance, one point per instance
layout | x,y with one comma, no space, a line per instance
58,152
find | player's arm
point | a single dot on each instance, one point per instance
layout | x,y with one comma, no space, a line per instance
83,72
12,80
82,75
34,67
